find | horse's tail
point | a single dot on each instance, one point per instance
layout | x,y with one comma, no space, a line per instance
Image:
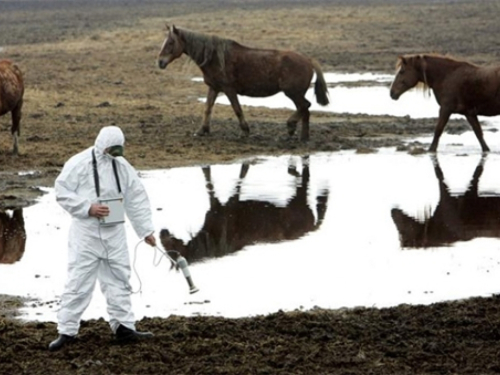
320,87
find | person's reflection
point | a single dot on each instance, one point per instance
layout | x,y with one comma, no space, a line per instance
12,235
238,223
456,218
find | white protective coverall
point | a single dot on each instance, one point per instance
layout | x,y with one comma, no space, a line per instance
96,251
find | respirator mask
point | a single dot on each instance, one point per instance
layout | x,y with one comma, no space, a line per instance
115,151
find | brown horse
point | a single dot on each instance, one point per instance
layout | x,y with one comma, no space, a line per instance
458,86
11,97
238,223
234,69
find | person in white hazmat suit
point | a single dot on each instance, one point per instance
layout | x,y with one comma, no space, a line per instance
97,251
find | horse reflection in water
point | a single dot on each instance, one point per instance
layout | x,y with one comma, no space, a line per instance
12,236
230,227
456,218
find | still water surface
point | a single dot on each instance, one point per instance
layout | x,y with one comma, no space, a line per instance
361,242
330,230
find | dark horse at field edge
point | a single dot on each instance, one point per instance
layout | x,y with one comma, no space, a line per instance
234,69
11,97
459,87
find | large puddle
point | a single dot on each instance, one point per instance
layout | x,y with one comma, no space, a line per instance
330,230
282,233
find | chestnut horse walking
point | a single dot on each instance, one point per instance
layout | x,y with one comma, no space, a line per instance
11,97
234,69
458,86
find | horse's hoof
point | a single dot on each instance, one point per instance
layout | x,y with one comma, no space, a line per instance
201,133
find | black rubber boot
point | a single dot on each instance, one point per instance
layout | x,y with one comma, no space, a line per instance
124,335
60,342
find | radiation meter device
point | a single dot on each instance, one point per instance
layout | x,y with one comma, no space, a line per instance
116,211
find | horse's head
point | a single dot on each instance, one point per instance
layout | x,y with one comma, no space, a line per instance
407,75
172,47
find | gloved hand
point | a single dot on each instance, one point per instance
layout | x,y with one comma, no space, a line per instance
150,240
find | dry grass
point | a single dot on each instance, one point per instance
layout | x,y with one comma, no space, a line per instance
89,64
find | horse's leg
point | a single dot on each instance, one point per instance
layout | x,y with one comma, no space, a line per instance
476,126
243,172
209,185
304,135
302,112
439,175
444,116
473,190
211,96
235,103
16,127
291,123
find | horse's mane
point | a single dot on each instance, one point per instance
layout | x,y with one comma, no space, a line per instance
423,86
420,58
202,47
448,58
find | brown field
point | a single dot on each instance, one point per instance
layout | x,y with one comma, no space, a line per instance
90,63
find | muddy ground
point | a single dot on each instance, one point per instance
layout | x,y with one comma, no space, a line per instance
93,63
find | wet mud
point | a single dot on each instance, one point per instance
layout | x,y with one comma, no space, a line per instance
445,338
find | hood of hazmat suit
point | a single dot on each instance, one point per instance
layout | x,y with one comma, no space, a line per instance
75,187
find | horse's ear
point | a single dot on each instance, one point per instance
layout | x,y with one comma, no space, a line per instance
175,30
403,60
167,27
